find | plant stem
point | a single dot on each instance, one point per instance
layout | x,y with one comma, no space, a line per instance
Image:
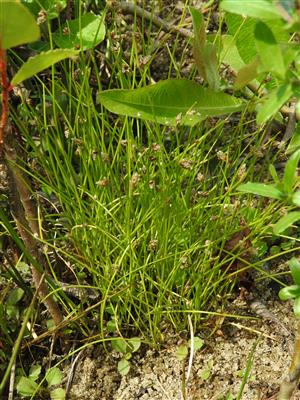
5,86
23,207
290,383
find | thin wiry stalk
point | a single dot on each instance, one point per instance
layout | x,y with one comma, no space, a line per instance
289,385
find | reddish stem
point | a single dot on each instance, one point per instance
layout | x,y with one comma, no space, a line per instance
5,90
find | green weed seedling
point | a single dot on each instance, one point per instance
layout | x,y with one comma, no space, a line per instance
29,387
126,347
182,350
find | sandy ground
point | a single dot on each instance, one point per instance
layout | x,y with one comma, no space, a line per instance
217,369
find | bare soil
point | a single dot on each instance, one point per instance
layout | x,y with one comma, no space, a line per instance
218,368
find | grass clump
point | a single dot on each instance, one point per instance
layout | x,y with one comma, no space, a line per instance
139,212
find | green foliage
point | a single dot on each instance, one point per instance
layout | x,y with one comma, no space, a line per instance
262,9
28,386
198,343
294,143
142,240
289,177
126,347
269,50
264,44
247,74
274,101
229,53
257,45
182,350
293,291
261,189
286,221
12,15
38,63
205,54
58,394
53,376
242,30
283,191
34,372
124,366
170,102
83,33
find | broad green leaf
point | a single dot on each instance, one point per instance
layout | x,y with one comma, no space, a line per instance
15,296
119,345
53,376
286,221
242,29
58,394
247,74
261,189
276,99
34,372
182,352
289,176
134,344
40,62
123,366
52,8
295,140
17,25
289,292
198,343
12,311
260,9
84,33
230,54
112,325
26,387
296,198
296,307
294,265
170,102
269,50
